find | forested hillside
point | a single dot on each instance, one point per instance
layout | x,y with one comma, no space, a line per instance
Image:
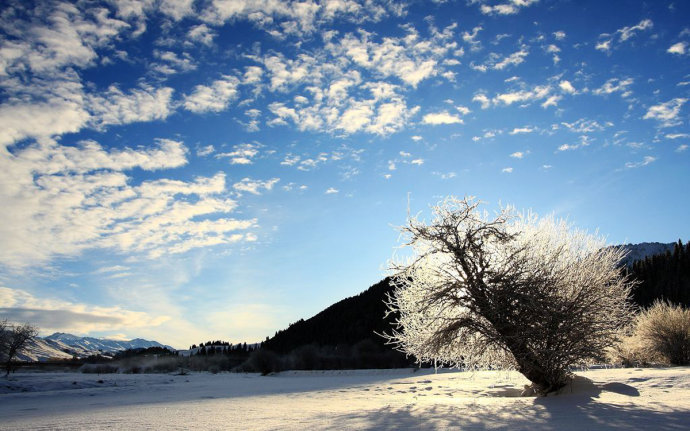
663,276
345,332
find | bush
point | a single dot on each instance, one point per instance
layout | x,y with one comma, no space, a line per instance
632,351
664,329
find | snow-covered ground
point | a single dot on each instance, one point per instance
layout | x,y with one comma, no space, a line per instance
632,399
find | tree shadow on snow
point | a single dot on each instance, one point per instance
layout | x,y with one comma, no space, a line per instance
575,408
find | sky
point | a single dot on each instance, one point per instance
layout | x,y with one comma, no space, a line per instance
193,170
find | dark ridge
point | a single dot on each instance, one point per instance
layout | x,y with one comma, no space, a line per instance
347,322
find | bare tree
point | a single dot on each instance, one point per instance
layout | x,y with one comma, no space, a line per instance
13,338
512,291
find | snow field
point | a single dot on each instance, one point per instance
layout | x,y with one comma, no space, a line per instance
621,399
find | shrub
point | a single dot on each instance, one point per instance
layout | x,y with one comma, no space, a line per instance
664,329
632,351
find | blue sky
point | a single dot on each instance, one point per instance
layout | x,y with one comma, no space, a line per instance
188,170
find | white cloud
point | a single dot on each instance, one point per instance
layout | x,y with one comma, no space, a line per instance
384,113
202,34
357,82
567,87
290,160
482,100
464,110
441,118
63,200
54,315
512,60
255,186
507,170
242,154
677,135
666,113
56,36
677,48
177,9
519,130
517,155
205,150
614,85
645,161
116,107
681,148
109,269
510,7
471,38
284,18
551,101
584,142
559,35
56,116
604,45
621,35
212,98
583,125
521,96
445,176
495,62
331,191
418,162
409,58
170,63
628,32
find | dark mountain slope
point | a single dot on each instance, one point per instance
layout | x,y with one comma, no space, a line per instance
346,322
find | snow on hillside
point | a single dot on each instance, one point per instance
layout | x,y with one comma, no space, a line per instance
41,350
603,399
65,346
644,249
103,344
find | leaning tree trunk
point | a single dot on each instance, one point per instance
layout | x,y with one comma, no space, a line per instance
544,379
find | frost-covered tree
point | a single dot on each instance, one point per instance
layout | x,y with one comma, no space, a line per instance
13,338
509,291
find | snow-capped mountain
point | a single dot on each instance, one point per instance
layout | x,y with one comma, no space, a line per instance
102,345
644,249
41,349
65,346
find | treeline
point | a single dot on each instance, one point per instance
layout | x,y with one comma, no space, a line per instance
663,277
211,348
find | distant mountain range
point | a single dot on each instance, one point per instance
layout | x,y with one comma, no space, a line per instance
65,346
